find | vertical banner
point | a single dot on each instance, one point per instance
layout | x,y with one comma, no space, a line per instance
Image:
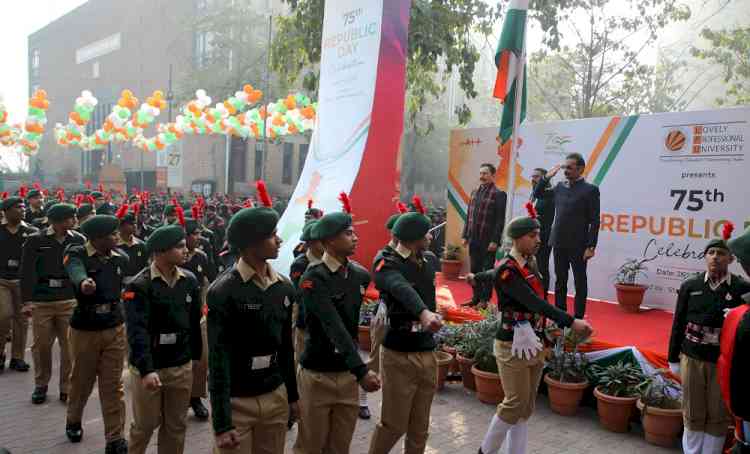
668,183
355,144
174,165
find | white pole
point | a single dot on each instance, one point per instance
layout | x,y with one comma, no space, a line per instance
226,165
516,125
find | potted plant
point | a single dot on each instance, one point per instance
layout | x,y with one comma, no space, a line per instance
660,405
450,266
629,292
486,376
466,349
366,312
616,392
446,339
566,378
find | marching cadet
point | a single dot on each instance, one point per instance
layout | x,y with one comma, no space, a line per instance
523,310
408,363
133,246
252,380
49,297
332,293
312,256
163,312
199,264
694,349
170,214
84,213
35,199
312,214
13,233
97,331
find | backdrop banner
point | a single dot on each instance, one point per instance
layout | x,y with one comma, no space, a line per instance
359,124
668,183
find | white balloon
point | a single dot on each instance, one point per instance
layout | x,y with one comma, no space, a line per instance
200,93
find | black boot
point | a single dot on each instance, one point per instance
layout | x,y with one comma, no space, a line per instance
64,397
200,410
2,362
74,432
116,447
364,412
18,365
39,396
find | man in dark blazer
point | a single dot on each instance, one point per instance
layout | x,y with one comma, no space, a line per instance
483,229
545,208
575,230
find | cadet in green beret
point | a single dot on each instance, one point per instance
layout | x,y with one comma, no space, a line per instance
13,233
408,363
97,330
199,264
49,296
523,308
170,214
312,256
35,199
332,371
251,357
699,314
131,245
163,312
84,213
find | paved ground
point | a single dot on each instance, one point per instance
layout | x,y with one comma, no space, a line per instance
458,424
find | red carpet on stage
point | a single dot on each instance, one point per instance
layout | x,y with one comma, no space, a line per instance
648,330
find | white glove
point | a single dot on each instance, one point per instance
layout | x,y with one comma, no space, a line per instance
675,368
526,344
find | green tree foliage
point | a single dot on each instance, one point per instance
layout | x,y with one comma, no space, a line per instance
730,50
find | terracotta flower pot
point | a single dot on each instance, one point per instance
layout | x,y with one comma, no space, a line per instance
450,269
661,425
614,412
466,376
564,398
443,361
364,338
453,368
630,297
489,386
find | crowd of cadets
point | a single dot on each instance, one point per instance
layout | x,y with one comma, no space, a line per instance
184,296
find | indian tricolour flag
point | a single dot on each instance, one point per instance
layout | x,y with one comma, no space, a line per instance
510,64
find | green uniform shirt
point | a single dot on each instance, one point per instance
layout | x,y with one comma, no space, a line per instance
12,247
43,275
137,257
249,339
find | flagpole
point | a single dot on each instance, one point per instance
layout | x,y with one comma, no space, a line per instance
516,124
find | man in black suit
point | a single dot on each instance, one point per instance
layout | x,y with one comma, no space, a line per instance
483,229
575,230
545,208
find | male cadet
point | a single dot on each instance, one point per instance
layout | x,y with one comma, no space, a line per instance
163,313
97,330
13,233
694,349
49,297
84,213
101,206
311,214
170,215
332,293
35,199
312,256
130,244
198,263
252,380
408,364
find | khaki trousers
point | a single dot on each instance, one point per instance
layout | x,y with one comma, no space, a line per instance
520,378
200,368
329,403
11,318
409,383
703,409
261,423
99,355
377,334
51,320
165,409
299,345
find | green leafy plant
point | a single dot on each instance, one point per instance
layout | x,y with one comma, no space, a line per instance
619,380
629,271
568,364
452,252
477,335
659,391
484,359
448,335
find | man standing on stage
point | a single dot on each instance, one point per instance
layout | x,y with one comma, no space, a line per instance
483,229
575,230
545,208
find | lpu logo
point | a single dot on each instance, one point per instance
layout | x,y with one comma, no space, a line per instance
675,140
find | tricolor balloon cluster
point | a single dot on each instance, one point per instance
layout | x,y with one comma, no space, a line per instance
36,121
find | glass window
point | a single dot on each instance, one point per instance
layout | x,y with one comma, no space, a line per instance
35,62
258,161
286,174
303,148
203,48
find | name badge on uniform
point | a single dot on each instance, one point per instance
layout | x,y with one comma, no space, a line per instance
56,283
103,308
696,293
200,269
119,272
139,253
286,302
261,362
188,299
361,289
168,339
13,263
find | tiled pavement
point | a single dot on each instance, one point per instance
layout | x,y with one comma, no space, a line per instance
458,424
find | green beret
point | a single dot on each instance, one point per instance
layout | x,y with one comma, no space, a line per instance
84,210
411,226
10,202
740,247
307,232
170,210
164,238
191,225
331,225
33,193
60,212
717,243
97,195
520,226
251,224
100,226
128,219
392,221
